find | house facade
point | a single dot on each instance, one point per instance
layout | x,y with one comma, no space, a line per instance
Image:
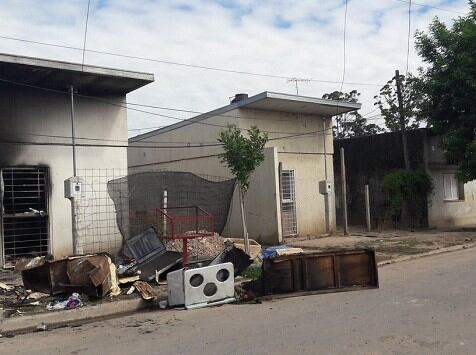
37,146
368,159
286,195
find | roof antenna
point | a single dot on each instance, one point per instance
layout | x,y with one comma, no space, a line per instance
296,81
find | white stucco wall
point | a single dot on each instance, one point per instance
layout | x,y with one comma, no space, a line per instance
25,111
447,214
303,154
441,213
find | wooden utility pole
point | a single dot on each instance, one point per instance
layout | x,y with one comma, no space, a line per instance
403,129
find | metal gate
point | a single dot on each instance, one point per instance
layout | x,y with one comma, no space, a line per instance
24,213
288,203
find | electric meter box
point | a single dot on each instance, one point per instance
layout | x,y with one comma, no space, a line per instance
325,187
73,187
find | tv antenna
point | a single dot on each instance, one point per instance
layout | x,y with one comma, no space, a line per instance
296,82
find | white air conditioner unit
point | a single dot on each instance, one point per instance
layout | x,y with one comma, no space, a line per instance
201,287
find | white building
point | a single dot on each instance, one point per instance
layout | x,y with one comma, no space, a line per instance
36,146
284,196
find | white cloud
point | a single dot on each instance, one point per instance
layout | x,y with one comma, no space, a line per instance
240,34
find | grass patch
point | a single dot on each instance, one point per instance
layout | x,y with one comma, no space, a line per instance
252,272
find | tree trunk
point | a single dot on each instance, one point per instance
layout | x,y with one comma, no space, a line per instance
243,221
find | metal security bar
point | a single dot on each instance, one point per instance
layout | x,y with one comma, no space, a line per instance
288,203
24,215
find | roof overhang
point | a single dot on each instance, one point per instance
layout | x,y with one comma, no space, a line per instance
271,101
57,75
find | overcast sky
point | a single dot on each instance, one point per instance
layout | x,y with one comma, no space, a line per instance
298,38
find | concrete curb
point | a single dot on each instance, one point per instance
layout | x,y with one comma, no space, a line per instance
25,324
421,255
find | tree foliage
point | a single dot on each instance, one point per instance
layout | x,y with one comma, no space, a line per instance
407,187
242,155
449,85
387,102
350,124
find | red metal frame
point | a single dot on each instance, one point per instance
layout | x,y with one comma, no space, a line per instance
205,219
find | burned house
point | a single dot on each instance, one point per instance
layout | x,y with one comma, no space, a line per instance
43,104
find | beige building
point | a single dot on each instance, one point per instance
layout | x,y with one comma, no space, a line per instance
452,203
37,151
291,193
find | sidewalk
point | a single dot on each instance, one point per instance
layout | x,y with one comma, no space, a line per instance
390,245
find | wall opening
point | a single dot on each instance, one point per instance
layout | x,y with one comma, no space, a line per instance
288,203
24,213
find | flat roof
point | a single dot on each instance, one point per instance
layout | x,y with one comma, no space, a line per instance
270,101
58,75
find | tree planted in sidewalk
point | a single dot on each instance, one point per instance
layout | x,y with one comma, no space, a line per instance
242,155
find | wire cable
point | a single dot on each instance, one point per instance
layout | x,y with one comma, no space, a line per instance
225,70
432,7
409,34
288,134
85,35
344,47
189,121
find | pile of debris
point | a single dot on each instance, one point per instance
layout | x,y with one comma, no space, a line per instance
145,265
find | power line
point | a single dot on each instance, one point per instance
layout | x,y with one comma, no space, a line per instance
432,7
231,71
409,32
189,121
289,135
85,35
344,54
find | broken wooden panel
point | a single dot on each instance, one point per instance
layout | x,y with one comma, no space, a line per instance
48,277
330,270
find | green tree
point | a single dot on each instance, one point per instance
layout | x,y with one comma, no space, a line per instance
408,191
242,155
350,124
448,82
387,102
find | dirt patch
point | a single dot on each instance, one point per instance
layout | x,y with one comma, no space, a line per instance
389,245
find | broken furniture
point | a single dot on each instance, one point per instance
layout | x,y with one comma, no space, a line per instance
45,276
329,271
185,223
201,287
150,254
90,274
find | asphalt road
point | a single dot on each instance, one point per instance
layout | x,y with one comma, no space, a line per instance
425,306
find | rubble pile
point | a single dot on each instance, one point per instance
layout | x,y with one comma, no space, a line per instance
147,267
